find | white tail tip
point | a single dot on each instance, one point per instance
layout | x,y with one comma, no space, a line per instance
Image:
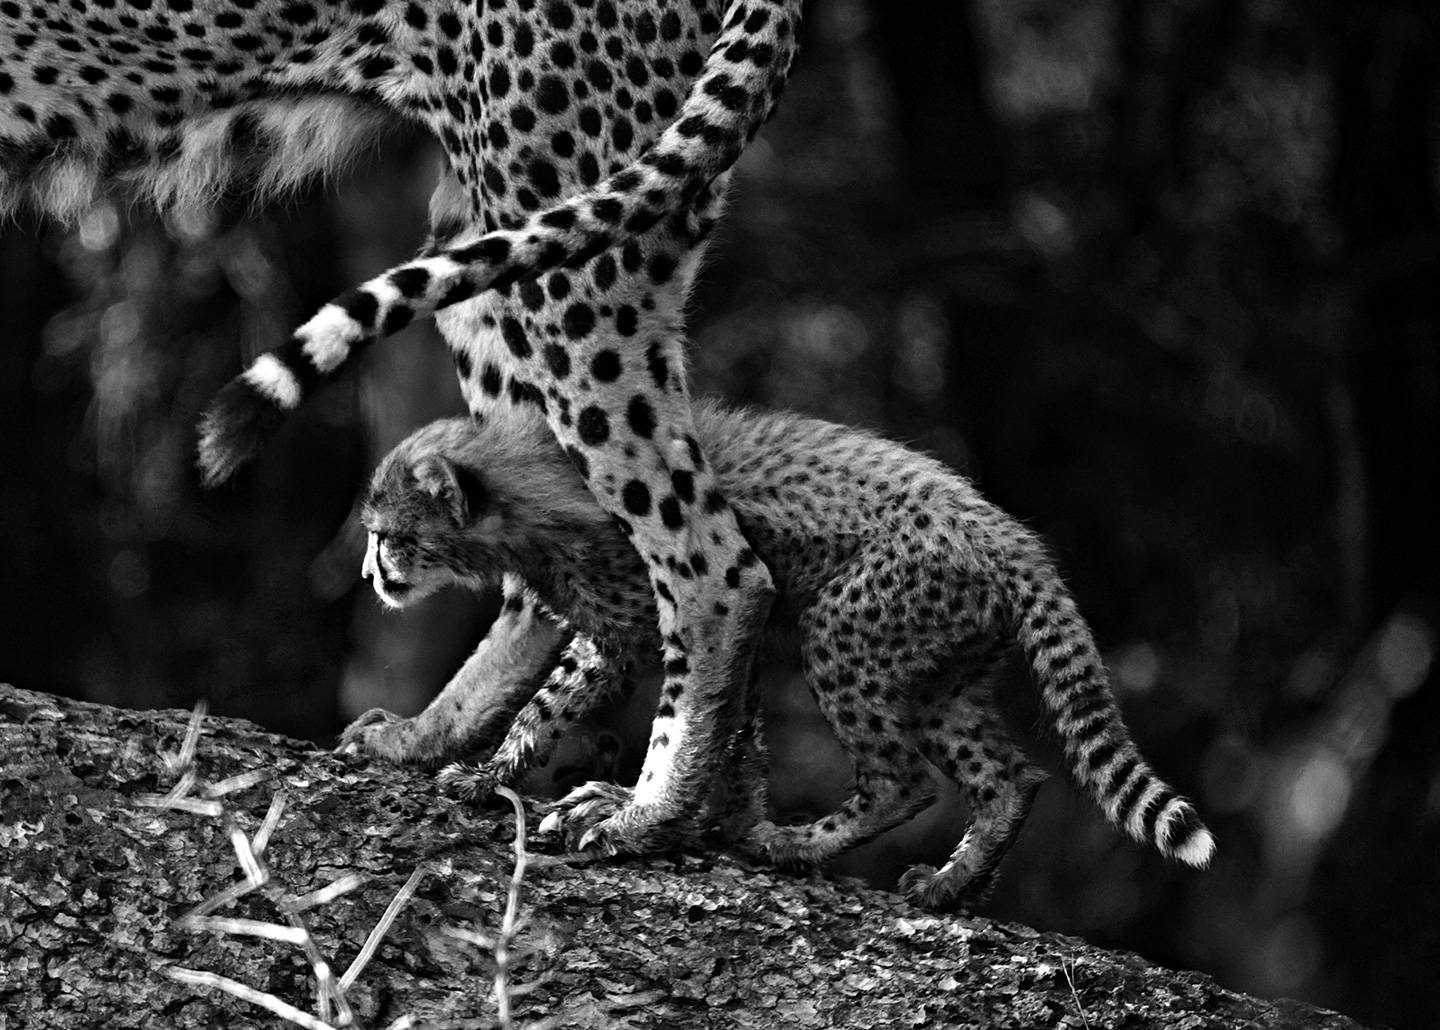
1198,850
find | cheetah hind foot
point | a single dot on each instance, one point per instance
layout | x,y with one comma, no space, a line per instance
604,817
942,891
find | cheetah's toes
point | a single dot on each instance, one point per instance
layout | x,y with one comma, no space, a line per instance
944,892
369,726
604,817
788,847
385,735
468,782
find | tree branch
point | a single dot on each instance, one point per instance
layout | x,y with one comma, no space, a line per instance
95,883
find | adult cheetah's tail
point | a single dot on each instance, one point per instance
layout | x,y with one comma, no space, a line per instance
735,92
1104,760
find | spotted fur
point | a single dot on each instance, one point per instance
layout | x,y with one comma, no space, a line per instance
732,96
587,143
906,588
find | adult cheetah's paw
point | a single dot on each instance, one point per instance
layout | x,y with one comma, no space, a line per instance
604,817
585,806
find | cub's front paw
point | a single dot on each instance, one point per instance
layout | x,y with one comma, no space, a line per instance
381,734
604,817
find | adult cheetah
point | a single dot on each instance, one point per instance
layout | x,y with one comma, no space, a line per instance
587,145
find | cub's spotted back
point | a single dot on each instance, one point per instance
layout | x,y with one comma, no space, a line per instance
906,586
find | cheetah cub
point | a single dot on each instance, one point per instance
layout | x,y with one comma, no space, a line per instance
906,588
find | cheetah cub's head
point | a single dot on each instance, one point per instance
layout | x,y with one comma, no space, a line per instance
464,501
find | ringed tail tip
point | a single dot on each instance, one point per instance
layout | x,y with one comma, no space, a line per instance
232,429
1184,837
1197,849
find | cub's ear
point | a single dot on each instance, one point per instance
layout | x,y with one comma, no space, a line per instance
455,486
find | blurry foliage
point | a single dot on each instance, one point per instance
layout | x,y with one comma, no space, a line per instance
1158,275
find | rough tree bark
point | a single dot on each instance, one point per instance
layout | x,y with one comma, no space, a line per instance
94,882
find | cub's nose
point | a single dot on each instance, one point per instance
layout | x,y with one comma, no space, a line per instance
370,567
391,591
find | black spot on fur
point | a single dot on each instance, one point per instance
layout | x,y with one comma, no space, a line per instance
641,417
670,513
531,295
605,366
636,498
558,359
515,338
578,320
657,364
361,306
411,282
627,320
605,272
593,426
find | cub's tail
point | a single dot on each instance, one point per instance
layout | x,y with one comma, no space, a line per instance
735,92
1076,694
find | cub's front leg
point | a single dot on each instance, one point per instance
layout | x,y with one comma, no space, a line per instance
587,676
477,706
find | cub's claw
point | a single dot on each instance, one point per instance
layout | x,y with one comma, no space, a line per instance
385,735
356,738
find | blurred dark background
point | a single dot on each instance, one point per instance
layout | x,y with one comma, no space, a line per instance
1161,276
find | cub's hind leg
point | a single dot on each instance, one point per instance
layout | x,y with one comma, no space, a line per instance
966,738
861,672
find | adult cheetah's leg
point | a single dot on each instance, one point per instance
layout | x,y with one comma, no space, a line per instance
610,379
477,705
713,597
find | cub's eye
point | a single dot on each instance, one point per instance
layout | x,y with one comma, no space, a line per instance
398,541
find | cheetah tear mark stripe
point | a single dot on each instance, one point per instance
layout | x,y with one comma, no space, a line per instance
736,91
1102,757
